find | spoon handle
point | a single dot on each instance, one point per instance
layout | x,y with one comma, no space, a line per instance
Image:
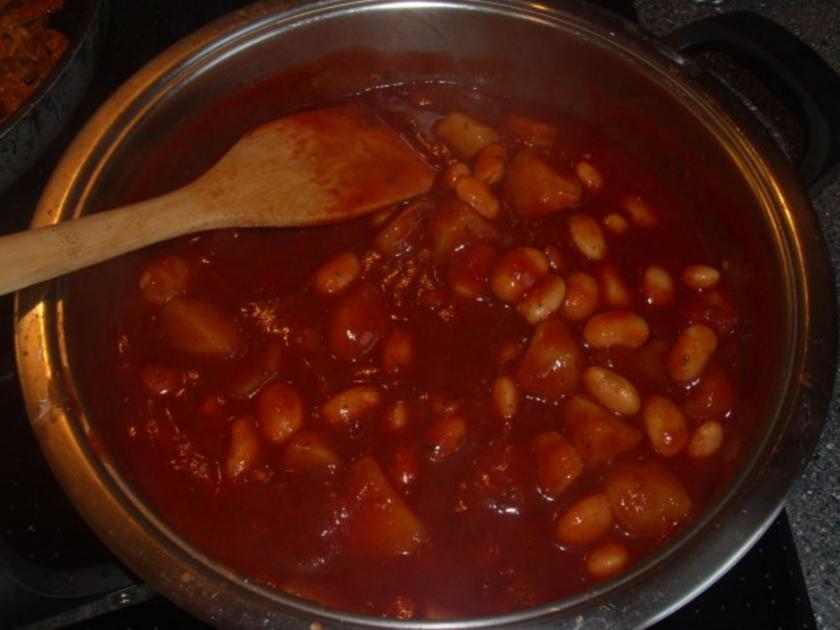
33,256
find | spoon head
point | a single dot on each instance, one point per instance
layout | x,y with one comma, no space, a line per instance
317,167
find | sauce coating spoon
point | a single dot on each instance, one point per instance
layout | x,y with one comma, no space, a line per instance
313,168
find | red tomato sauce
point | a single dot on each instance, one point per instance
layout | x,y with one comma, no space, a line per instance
438,490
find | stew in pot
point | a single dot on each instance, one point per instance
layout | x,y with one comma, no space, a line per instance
487,398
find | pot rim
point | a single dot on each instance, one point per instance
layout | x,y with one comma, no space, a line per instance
173,566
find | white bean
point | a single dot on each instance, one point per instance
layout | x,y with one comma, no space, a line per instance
657,286
585,521
490,164
691,351
589,175
351,405
396,420
452,173
700,277
616,328
310,451
613,290
517,271
639,211
337,273
378,219
280,412
243,452
612,390
398,352
666,426
543,300
706,439
587,236
556,262
476,194
581,296
607,560
505,397
616,224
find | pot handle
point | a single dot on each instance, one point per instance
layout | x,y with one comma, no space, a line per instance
789,69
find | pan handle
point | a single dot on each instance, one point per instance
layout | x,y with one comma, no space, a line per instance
790,70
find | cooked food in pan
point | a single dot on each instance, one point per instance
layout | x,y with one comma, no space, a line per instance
29,49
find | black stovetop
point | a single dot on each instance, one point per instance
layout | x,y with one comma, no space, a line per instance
41,533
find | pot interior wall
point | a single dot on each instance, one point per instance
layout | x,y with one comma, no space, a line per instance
575,74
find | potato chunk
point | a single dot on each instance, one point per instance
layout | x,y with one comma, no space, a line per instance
647,499
712,397
551,365
527,131
558,463
381,524
455,224
200,328
165,278
464,135
596,434
401,232
309,450
255,370
535,189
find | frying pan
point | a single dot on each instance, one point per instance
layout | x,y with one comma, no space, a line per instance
33,127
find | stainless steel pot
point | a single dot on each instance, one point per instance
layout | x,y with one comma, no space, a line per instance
574,57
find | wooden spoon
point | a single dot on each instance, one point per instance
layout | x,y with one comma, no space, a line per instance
313,168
